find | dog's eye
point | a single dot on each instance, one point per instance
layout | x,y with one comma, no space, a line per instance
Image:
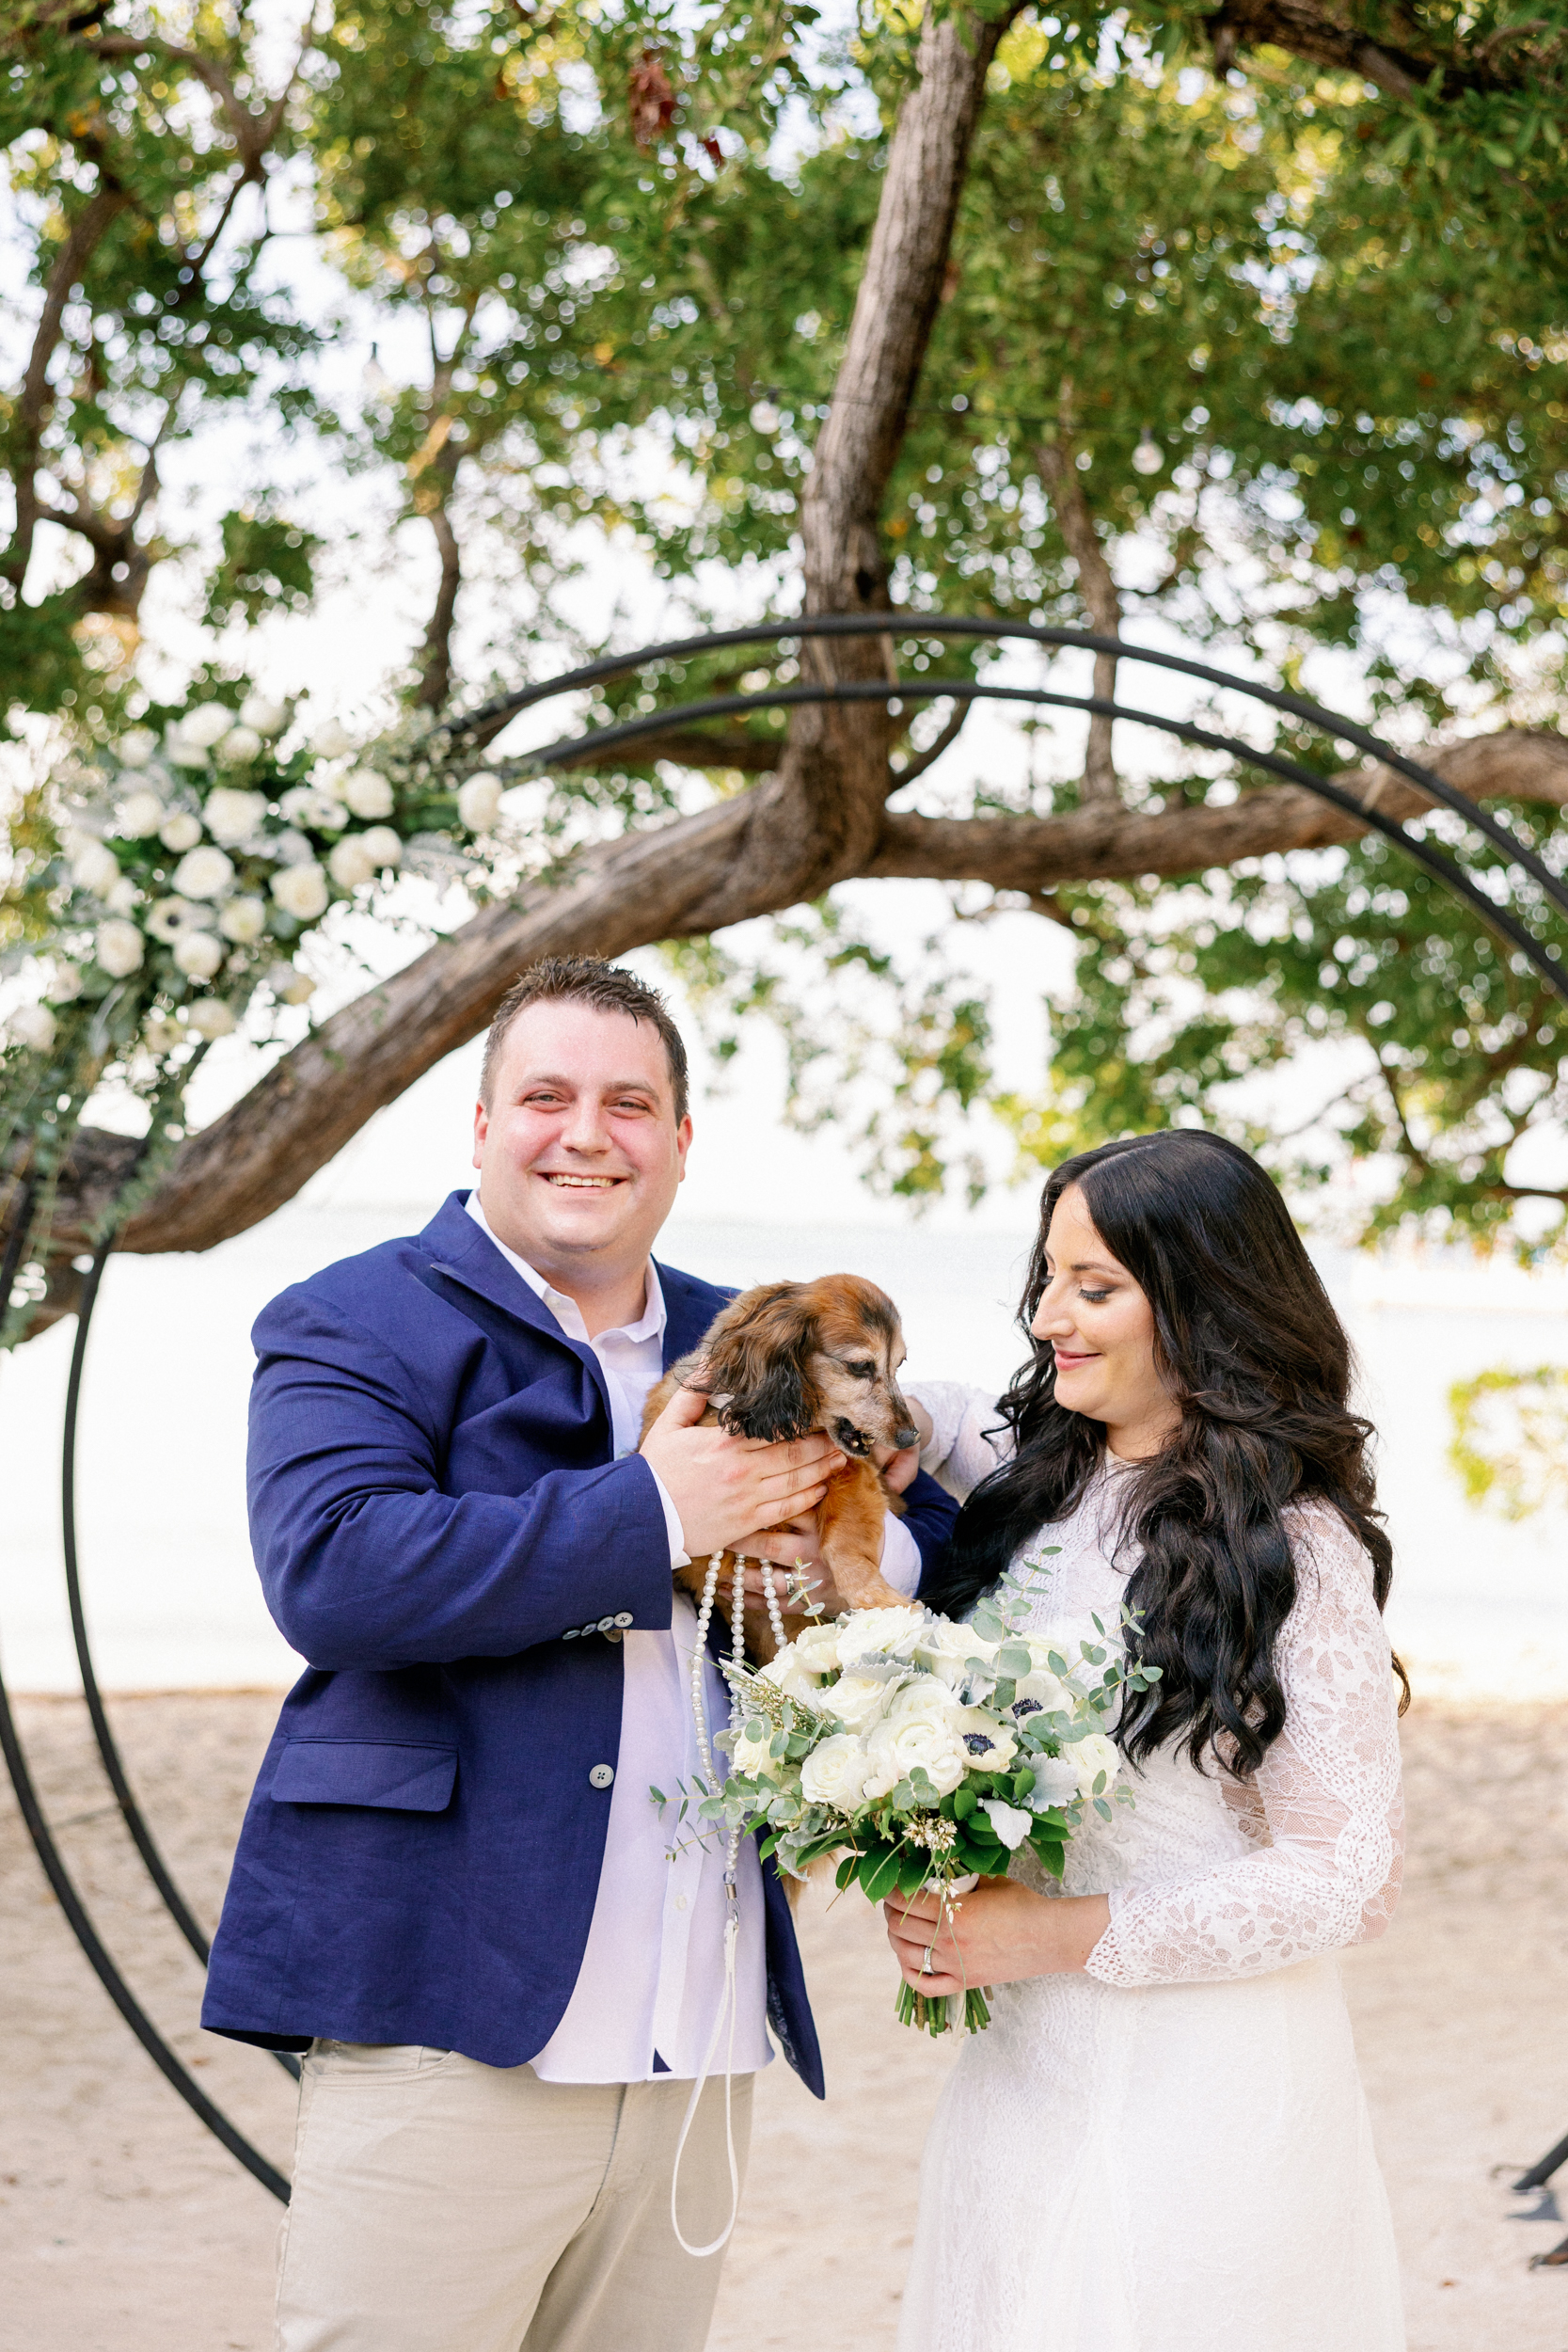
860,1371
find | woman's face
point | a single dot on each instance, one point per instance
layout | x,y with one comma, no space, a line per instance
1101,1327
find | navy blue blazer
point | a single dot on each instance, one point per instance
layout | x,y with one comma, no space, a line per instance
441,1530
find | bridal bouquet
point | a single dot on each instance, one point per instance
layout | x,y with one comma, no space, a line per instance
928,1751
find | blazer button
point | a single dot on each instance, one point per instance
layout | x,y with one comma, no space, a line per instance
570,1634
601,1775
605,1624
624,1618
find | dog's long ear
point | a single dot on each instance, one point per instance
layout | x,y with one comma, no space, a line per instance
755,1355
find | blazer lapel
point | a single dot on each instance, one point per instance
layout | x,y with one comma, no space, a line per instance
689,1307
462,1253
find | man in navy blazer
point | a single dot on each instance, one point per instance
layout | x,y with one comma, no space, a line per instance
454,1890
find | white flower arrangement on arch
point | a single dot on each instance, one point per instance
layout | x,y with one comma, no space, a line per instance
163,884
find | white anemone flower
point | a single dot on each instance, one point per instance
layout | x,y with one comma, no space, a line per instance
198,955
205,873
234,815
331,740
141,816
210,1017
32,1025
309,805
301,891
263,713
135,747
238,748
160,1035
66,984
166,918
479,802
180,831
119,947
206,725
367,793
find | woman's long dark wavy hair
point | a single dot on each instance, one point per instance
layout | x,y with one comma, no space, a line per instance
1250,1348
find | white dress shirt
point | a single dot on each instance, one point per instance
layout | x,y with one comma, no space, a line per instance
652,1974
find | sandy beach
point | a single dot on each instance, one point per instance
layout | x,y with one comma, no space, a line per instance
126,2229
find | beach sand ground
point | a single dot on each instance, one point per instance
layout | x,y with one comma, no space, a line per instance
125,2227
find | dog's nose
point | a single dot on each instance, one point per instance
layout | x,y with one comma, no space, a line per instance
904,1438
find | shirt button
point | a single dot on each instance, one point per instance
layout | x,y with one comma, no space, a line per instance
680,1903
601,1775
624,1618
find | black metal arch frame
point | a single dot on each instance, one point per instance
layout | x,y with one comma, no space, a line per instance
483,726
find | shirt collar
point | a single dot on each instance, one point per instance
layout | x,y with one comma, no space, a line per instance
566,1311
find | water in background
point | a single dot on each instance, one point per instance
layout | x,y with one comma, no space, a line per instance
172,1598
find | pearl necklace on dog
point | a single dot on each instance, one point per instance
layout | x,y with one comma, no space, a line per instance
727,2007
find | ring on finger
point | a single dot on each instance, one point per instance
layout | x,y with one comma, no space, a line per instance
927,1958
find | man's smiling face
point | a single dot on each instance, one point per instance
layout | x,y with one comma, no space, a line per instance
578,1151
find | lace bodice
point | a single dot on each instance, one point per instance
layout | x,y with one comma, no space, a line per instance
1210,1877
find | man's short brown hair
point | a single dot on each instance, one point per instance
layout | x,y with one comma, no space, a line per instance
586,980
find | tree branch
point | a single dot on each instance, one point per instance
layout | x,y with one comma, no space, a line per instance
36,400
1399,59
1059,466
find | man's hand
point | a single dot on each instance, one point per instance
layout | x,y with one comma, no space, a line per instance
725,1487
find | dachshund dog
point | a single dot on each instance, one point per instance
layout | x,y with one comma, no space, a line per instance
788,1358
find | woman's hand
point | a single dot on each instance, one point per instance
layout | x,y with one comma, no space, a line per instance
997,1935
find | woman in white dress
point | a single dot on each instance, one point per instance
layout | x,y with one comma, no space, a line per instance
1161,2145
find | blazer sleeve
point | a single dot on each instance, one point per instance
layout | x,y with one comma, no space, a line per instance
367,1563
929,1514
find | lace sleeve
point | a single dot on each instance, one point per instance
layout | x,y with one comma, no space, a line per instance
1327,1871
960,1453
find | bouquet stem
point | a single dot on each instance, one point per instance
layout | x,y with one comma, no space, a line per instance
936,2016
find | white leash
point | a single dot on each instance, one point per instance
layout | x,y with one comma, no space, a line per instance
727,2006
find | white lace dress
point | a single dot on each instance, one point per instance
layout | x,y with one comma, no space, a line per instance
1172,2152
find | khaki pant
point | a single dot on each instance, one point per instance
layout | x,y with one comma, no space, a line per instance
444,2206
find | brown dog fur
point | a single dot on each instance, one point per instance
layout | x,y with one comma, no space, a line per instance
788,1358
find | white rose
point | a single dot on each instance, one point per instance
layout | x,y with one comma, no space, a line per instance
95,867
167,918
382,845
923,1740
307,805
141,816
301,891
198,955
878,1632
160,1035
479,802
1012,1824
292,849
787,1675
119,949
135,747
179,832
815,1647
206,725
290,985
857,1700
366,794
210,1018
835,1772
755,1757
182,753
331,740
206,873
238,748
32,1025
124,898
350,863
66,985
244,920
233,816
1092,1757
945,1649
266,716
